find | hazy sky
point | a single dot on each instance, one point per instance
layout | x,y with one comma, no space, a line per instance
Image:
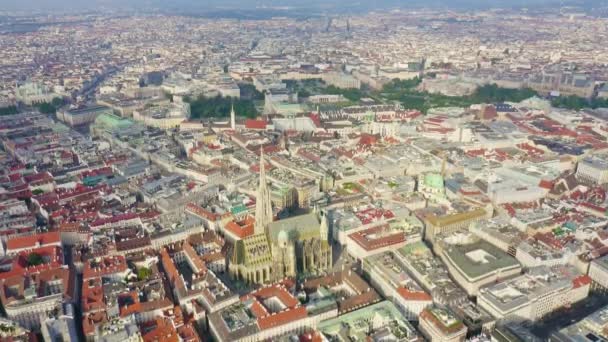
64,5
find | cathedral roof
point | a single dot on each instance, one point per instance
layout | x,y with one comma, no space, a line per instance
298,228
252,250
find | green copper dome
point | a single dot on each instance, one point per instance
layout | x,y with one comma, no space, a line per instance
433,180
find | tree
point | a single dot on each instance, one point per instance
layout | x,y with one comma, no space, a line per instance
352,94
570,102
493,93
57,102
209,107
34,259
47,108
143,273
249,92
304,93
10,110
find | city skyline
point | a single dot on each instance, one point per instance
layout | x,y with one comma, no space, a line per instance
334,6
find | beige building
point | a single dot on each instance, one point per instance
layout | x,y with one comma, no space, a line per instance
452,222
340,80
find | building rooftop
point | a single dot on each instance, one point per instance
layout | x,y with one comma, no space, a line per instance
480,259
346,288
513,293
443,320
354,326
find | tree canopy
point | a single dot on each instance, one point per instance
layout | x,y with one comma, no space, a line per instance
143,273
50,108
351,94
214,107
248,92
405,91
34,259
577,103
10,110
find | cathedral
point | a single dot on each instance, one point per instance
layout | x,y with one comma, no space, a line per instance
283,248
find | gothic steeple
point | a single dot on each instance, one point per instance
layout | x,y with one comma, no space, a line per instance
324,229
263,205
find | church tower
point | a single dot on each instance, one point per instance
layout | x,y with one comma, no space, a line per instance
263,205
232,118
324,229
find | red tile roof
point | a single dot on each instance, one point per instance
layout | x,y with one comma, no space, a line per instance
241,229
104,266
201,212
282,317
581,281
265,319
372,238
255,124
414,295
92,295
162,330
33,241
114,219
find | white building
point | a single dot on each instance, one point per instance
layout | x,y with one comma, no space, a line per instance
388,275
598,271
510,190
61,328
82,116
593,169
164,116
326,98
34,93
26,303
534,294
535,253
341,80
263,83
478,264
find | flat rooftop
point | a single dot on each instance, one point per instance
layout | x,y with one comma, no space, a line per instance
479,259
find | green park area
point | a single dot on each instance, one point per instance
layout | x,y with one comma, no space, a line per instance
410,96
406,92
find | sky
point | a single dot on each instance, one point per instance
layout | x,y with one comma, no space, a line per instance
336,5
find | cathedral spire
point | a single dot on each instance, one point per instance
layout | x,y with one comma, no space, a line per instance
263,205
232,118
323,228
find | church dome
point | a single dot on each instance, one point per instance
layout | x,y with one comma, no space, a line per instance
433,180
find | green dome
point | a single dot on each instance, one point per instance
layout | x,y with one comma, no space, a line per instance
433,180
